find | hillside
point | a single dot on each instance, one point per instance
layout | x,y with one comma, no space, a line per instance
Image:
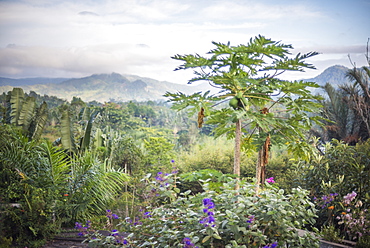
106,87
29,81
335,75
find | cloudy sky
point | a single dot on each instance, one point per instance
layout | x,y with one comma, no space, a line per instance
63,38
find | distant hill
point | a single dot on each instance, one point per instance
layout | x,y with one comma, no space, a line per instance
335,75
30,81
106,87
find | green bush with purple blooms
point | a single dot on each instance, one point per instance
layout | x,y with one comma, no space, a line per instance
266,218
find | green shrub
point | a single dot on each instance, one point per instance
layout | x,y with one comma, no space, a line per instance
231,218
330,233
29,223
340,170
363,242
215,154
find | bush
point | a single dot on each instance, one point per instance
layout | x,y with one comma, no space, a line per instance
231,218
215,154
340,170
29,222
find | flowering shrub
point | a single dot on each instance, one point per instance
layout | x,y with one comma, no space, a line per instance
231,218
83,229
341,169
326,200
354,218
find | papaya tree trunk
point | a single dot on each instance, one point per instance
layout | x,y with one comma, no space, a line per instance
262,160
238,136
259,167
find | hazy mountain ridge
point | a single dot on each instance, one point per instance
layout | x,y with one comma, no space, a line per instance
30,81
335,75
105,87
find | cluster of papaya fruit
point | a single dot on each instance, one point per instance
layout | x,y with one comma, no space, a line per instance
238,101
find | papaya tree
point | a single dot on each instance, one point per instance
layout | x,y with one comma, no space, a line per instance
262,108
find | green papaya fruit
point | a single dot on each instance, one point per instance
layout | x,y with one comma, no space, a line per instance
234,103
239,95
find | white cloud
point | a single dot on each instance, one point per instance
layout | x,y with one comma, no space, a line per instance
78,38
252,10
88,13
341,49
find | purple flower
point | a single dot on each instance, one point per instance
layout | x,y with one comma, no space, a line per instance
209,205
211,219
273,245
207,202
114,216
325,200
210,213
83,229
114,232
270,180
172,161
78,225
159,177
174,169
349,197
187,242
250,219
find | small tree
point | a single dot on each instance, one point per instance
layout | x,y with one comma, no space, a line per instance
247,77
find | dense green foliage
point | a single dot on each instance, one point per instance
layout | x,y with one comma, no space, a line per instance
42,187
229,218
93,157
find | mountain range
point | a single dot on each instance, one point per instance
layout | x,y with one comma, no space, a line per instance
100,87
114,86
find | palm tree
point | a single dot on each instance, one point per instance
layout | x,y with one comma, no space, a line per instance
341,124
347,109
357,96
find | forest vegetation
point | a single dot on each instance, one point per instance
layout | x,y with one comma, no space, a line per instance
241,168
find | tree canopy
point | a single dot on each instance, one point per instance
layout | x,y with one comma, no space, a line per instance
263,108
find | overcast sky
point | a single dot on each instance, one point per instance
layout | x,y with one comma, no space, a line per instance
46,38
